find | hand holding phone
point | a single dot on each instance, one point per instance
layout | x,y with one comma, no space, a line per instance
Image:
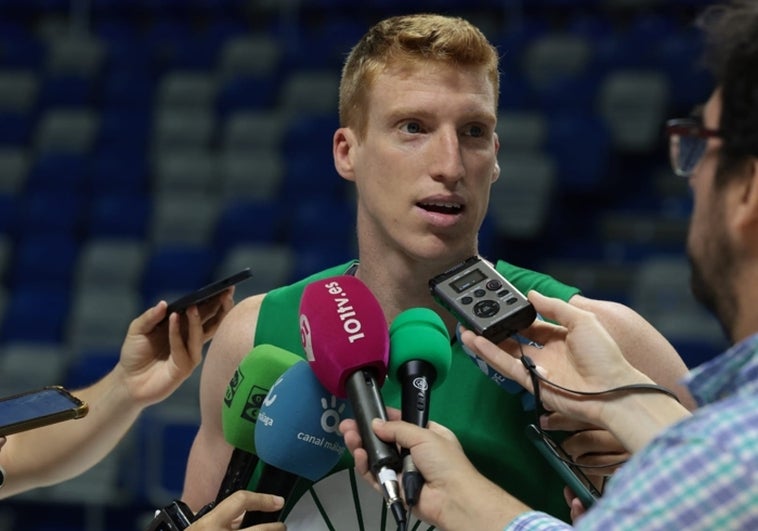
206,292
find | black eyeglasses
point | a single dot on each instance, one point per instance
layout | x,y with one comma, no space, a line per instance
688,139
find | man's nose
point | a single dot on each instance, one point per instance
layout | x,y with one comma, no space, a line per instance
446,158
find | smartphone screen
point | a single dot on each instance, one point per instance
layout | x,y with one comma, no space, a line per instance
40,407
573,475
207,292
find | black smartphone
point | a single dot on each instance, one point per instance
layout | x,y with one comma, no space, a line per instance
207,292
40,407
573,475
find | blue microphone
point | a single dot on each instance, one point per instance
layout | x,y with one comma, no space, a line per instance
298,425
296,435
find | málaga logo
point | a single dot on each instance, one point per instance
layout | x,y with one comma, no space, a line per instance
231,389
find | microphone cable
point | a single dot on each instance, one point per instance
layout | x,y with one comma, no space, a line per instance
398,512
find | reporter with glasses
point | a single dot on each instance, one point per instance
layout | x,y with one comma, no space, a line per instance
687,470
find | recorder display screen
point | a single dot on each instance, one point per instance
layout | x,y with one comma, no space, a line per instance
468,280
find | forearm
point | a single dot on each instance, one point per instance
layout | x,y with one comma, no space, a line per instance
51,454
642,345
479,504
637,417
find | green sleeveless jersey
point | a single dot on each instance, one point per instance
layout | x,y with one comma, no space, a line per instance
488,421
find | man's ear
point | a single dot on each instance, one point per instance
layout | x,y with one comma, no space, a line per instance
343,145
496,169
745,208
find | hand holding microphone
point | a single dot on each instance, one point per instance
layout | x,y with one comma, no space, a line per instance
345,338
420,359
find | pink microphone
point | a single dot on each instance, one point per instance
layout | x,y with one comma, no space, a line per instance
346,340
343,330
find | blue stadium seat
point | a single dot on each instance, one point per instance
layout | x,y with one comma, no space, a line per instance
125,127
66,90
246,93
119,216
59,173
119,171
580,145
242,222
89,366
16,127
165,434
8,213
675,60
50,212
172,271
35,314
19,47
44,261
318,221
129,88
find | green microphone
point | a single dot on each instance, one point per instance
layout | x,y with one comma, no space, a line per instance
247,390
420,359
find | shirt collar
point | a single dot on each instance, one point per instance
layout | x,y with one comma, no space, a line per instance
725,374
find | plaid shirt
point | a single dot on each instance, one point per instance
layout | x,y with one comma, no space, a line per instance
701,473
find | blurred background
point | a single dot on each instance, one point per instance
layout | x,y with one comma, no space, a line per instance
149,147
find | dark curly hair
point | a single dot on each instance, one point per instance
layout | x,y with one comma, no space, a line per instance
731,31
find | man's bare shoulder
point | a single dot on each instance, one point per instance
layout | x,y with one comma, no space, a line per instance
236,332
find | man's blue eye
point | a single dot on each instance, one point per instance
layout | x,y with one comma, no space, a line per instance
476,131
412,127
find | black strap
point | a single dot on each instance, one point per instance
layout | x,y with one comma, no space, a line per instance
645,387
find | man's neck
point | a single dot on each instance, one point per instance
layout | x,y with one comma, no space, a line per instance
401,284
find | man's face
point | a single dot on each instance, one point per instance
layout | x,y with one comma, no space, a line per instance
709,247
424,169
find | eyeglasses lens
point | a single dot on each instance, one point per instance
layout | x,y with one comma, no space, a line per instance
685,152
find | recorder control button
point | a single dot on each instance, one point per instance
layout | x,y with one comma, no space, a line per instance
480,293
486,308
494,285
467,300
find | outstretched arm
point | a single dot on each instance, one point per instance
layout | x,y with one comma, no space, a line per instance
155,359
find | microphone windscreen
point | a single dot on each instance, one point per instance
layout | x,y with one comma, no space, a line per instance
420,334
343,330
247,389
298,425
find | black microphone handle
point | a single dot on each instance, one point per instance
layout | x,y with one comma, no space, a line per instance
416,378
367,403
276,481
238,473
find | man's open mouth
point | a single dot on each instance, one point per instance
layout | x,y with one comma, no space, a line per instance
441,208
